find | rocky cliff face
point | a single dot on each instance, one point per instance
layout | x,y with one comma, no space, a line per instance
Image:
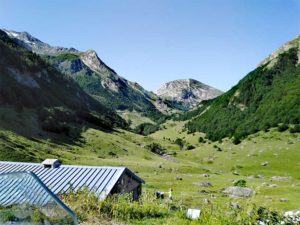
35,45
187,92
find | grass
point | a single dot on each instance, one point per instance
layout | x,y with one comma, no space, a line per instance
149,210
183,171
134,118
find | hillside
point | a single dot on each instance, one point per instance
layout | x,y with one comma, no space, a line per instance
267,97
55,103
96,78
187,94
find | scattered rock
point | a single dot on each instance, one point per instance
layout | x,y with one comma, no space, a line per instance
205,175
204,192
236,173
234,205
264,164
269,185
258,176
206,201
242,192
279,178
284,200
206,184
292,217
193,214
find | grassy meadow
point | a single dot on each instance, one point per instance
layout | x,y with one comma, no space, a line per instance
277,185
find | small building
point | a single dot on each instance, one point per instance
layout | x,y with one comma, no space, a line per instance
61,179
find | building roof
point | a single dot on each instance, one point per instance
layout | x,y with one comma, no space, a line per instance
25,190
66,177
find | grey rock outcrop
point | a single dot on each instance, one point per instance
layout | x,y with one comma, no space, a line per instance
241,192
188,92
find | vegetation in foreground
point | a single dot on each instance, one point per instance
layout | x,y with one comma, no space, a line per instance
149,210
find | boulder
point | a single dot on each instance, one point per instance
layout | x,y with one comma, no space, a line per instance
206,184
241,192
264,164
283,200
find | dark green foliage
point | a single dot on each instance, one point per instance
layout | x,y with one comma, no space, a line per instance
56,120
146,128
193,113
67,56
7,216
295,129
263,99
240,183
283,127
218,148
190,147
27,81
201,140
156,148
236,140
179,142
268,217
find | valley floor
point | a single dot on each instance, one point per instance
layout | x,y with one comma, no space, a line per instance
277,183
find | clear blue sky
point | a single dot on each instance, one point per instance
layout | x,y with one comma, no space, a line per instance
151,42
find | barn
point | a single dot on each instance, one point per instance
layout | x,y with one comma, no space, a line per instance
104,181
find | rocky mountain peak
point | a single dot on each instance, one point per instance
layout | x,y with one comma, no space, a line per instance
35,45
188,92
91,59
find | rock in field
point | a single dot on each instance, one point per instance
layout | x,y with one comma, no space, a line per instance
241,192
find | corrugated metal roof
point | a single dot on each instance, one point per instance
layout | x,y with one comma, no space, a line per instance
66,177
24,190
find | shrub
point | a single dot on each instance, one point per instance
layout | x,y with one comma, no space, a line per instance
179,142
201,140
236,140
240,183
283,127
190,147
295,129
156,148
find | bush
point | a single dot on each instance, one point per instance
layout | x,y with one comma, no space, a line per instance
201,140
156,148
295,129
190,147
240,183
179,142
146,128
236,140
283,127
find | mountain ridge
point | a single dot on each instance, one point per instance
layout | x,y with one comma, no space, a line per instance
266,97
189,93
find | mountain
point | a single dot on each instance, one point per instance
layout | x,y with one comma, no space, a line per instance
55,102
269,96
95,77
187,93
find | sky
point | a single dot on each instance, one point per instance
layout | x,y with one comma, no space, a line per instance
152,42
